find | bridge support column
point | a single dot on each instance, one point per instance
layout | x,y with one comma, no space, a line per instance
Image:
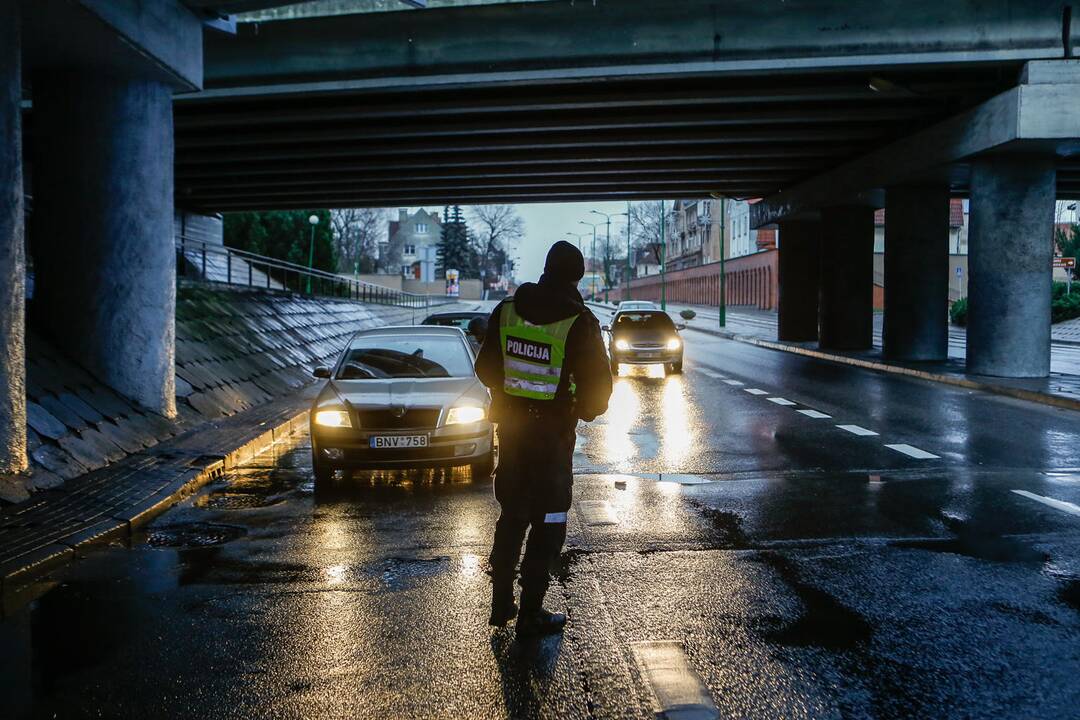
12,250
1012,221
916,273
105,280
799,268
847,277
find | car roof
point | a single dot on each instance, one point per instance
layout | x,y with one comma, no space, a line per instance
411,330
459,313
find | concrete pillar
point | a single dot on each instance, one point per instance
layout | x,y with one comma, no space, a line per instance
799,275
12,250
1009,256
916,273
102,232
847,278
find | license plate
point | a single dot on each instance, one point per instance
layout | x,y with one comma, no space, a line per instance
648,354
381,442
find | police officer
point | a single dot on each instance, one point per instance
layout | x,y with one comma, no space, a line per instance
544,360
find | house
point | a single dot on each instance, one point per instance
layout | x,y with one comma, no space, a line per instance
411,244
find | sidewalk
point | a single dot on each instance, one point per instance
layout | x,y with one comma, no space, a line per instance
758,327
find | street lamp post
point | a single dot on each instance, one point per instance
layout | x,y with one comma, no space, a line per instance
607,243
577,236
663,252
593,226
314,220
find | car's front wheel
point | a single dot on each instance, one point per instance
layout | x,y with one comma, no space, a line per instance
483,468
324,473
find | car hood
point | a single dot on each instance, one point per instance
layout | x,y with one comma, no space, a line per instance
410,392
644,336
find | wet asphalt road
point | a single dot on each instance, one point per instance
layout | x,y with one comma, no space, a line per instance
798,568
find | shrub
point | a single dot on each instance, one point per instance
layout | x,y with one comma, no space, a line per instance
688,314
1062,306
958,312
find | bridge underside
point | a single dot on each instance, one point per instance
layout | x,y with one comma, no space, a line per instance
557,101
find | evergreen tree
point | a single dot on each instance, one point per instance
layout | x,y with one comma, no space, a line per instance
283,235
454,251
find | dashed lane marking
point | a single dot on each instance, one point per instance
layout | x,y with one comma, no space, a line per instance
597,512
678,692
733,383
755,391
912,451
817,415
781,401
714,374
856,430
1061,505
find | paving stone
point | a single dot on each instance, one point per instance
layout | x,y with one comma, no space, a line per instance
42,421
62,412
78,406
183,387
58,461
41,479
13,488
88,453
207,405
126,440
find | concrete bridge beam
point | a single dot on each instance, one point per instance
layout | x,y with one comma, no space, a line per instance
1010,251
847,277
799,266
102,228
12,249
916,273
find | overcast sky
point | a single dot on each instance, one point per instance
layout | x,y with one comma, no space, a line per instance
547,223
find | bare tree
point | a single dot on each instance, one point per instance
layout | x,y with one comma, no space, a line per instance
496,228
356,235
647,230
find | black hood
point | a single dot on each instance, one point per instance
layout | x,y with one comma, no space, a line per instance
547,302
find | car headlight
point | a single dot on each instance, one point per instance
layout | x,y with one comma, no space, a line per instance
465,414
674,344
333,418
622,345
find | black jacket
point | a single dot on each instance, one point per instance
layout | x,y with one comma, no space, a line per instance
586,358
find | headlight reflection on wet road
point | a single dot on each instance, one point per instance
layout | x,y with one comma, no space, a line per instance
647,419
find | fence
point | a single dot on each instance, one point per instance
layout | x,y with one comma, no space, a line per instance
218,263
749,280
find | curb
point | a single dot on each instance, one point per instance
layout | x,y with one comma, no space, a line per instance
122,525
958,381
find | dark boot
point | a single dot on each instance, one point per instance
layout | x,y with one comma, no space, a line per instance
503,609
539,622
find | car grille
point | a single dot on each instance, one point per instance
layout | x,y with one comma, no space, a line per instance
391,454
384,419
647,346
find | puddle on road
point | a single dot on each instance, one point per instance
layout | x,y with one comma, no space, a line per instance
405,573
192,535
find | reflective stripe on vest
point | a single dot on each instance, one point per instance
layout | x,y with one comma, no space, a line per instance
533,355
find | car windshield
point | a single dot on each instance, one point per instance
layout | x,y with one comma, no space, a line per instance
630,321
401,356
458,321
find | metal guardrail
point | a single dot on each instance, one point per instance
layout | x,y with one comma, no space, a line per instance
221,264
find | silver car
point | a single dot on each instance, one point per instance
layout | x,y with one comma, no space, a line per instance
402,397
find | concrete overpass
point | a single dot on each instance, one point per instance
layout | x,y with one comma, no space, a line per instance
826,107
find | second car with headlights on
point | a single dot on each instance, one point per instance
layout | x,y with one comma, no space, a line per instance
645,338
402,397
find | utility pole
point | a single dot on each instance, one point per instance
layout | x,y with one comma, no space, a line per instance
628,262
723,274
593,226
663,249
607,246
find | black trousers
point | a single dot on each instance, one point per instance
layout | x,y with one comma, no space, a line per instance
533,485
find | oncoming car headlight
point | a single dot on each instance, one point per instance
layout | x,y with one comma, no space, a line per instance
622,345
465,414
674,344
333,418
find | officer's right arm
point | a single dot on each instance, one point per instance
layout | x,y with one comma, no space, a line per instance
489,361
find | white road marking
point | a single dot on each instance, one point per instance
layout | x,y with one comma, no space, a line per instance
597,512
734,383
683,479
856,430
814,414
678,692
781,401
714,374
1061,505
755,391
912,451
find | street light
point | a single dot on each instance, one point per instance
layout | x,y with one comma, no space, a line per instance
593,226
314,220
578,237
607,218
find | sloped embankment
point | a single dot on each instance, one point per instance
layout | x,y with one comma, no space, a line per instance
234,350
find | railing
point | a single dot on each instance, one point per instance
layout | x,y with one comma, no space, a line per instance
217,263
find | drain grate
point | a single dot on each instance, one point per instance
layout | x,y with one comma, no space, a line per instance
235,501
193,535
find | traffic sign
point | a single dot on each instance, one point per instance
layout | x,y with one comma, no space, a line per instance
959,271
1064,262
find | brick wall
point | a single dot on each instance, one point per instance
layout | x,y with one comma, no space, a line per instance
750,280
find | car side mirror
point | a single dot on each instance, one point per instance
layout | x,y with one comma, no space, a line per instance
605,328
321,372
680,326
